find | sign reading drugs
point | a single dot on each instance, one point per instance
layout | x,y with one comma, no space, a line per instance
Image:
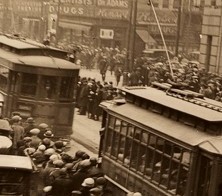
106,33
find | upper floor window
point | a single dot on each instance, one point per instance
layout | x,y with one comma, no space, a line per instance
176,4
166,4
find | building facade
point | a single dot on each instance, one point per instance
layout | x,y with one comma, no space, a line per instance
211,41
101,23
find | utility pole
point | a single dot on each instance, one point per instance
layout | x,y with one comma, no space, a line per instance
178,27
128,50
133,34
57,22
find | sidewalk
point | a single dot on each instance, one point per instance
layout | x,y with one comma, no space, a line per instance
86,132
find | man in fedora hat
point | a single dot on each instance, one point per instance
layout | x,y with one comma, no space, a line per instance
30,124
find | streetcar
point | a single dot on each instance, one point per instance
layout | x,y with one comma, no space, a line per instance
162,141
37,81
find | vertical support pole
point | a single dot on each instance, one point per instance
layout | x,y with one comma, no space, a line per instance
178,27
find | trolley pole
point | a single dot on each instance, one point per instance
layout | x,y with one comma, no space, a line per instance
161,33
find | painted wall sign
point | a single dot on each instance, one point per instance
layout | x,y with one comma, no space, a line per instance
113,3
27,7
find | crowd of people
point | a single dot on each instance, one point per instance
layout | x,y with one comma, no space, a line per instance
90,93
180,71
59,173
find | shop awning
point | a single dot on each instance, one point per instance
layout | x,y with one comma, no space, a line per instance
145,36
76,26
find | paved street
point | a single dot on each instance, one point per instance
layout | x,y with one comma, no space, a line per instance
94,73
86,131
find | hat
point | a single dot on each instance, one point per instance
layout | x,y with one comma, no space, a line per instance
30,150
58,163
4,125
59,144
137,194
54,157
49,151
85,156
48,134
30,120
35,131
79,153
37,154
96,190
88,182
16,118
101,181
93,160
84,164
42,147
69,166
46,141
27,139
43,125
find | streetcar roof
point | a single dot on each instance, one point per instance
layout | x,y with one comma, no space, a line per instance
160,97
23,43
15,162
36,61
162,125
16,43
47,62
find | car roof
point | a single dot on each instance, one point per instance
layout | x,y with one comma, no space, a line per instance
15,162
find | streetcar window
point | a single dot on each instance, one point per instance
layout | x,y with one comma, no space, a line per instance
188,120
137,134
135,154
117,125
121,148
4,74
28,84
48,87
152,140
214,128
124,128
66,88
111,121
115,142
108,141
144,137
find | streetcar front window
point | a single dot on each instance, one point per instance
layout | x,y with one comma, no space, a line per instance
66,87
48,87
4,74
29,84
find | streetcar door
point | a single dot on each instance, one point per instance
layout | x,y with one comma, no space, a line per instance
205,169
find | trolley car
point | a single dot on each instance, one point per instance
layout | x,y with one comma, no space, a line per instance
38,81
162,142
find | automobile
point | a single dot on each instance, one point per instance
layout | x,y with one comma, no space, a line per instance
154,55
